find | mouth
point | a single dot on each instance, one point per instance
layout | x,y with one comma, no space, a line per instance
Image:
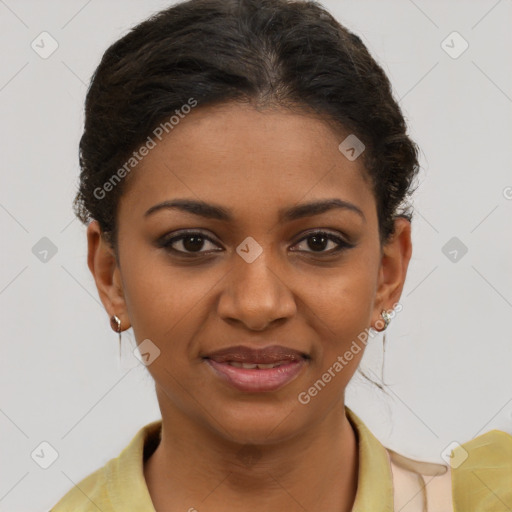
257,370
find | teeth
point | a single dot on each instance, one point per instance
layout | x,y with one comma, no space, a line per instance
252,366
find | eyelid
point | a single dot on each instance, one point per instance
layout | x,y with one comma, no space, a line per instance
167,240
324,231
340,240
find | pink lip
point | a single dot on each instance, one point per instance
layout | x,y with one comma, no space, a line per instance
258,380
255,380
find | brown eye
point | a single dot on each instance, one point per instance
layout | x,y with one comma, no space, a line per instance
189,243
193,243
318,241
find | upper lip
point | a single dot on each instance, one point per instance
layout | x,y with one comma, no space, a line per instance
265,355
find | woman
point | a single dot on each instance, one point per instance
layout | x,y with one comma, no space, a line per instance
245,181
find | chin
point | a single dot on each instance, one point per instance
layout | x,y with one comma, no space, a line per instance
259,423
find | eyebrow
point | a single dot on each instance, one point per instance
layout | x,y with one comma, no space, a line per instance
211,211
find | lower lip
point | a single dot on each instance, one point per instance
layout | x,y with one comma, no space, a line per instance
256,380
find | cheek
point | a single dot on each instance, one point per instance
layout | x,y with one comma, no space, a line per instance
344,300
167,307
167,304
342,310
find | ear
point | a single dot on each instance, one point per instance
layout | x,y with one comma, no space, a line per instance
104,267
396,254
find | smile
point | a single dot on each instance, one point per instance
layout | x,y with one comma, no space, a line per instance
256,370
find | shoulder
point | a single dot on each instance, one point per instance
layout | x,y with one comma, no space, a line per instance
477,478
482,472
120,483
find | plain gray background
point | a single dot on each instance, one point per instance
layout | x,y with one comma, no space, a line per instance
449,352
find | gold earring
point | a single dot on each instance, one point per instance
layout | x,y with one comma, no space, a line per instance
115,323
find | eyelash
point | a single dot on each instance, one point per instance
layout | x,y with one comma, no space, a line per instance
167,243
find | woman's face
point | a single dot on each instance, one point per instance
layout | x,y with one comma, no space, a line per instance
263,276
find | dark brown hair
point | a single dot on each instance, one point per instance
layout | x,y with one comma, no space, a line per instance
291,54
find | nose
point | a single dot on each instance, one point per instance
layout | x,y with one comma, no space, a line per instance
255,295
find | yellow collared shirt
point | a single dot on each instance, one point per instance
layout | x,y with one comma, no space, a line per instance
387,481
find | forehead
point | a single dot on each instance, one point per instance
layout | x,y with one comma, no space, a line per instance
236,155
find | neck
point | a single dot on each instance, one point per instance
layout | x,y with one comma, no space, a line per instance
316,470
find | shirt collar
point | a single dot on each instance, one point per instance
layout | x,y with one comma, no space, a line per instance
374,479
126,485
127,489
